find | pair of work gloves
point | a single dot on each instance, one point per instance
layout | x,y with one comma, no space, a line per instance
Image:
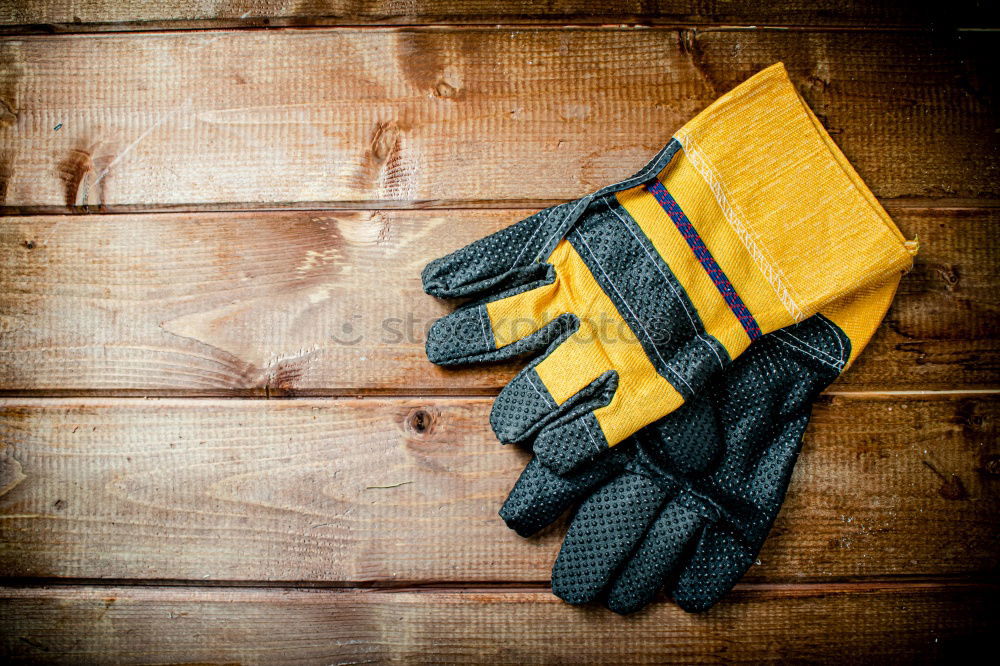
680,323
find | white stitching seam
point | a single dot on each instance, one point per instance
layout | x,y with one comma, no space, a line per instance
531,381
830,357
837,338
527,243
590,431
803,351
541,395
554,233
615,287
694,327
637,178
819,351
482,320
771,273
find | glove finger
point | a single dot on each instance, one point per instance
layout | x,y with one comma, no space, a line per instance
562,387
603,534
502,260
647,570
719,560
526,408
645,397
540,495
510,324
564,446
566,443
723,554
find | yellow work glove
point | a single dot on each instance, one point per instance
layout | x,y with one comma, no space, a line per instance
748,221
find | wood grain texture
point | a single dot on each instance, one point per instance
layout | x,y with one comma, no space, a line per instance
401,491
78,15
136,625
301,303
363,528
405,116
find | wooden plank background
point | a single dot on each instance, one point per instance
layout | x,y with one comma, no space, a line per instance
874,622
457,116
84,15
406,491
319,303
210,205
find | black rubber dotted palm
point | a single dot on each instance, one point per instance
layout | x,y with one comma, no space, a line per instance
687,502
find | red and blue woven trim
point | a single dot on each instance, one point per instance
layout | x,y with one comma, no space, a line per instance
722,283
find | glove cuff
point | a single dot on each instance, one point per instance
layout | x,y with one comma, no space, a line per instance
811,226
774,223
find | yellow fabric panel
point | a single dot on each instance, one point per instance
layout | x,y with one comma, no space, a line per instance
695,198
603,342
519,316
640,400
713,311
859,314
573,365
811,226
582,358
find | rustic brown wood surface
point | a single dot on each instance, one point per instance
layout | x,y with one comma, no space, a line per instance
873,623
433,116
265,199
80,15
398,491
310,303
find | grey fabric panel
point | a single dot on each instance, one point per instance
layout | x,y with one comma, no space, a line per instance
565,446
648,296
499,261
522,407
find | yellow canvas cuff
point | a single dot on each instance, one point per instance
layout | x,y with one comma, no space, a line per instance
808,223
859,314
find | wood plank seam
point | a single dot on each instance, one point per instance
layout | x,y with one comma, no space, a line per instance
476,586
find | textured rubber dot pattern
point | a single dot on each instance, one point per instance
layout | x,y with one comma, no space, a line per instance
502,260
602,533
692,504
663,544
521,407
465,332
540,495
720,559
565,446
